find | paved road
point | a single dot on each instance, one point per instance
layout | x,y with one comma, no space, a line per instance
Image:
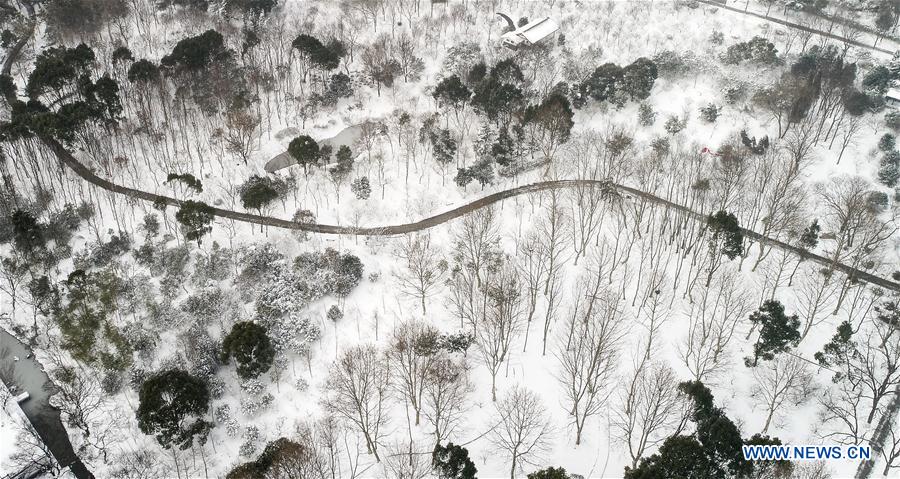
799,27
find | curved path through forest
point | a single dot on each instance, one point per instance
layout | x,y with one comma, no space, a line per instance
399,229
88,175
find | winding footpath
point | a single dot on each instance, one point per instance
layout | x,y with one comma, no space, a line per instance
88,175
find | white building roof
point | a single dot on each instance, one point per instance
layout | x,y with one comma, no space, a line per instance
538,30
893,94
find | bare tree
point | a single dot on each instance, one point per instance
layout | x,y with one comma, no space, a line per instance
532,270
878,363
413,350
841,415
650,408
501,321
446,390
588,360
816,294
714,315
476,242
240,132
523,430
554,231
422,268
786,380
357,390
404,463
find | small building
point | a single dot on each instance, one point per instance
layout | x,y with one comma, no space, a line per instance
892,98
529,34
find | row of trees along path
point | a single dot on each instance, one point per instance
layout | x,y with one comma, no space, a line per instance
88,175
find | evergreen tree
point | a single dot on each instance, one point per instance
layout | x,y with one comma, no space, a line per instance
172,405
361,188
679,457
196,218
550,473
143,71
452,462
778,332
638,78
251,348
197,53
810,236
604,82
304,150
503,150
452,92
28,233
258,192
889,169
887,142
725,229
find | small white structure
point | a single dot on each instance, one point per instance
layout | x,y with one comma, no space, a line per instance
892,98
529,34
22,397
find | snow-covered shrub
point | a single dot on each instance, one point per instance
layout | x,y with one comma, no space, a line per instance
756,50
887,142
252,387
292,333
140,340
889,169
257,261
892,120
216,387
215,266
208,304
222,414
878,201
660,146
201,352
717,37
137,376
374,276
709,113
250,406
111,383
301,384
334,313
251,439
646,115
164,315
670,63
675,124
458,342
302,216
361,188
